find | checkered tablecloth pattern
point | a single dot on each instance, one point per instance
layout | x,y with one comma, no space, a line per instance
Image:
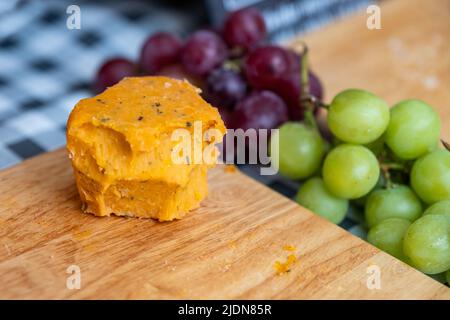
45,68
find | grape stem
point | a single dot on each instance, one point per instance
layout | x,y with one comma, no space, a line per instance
394,166
320,104
387,176
306,100
446,145
305,95
233,64
386,172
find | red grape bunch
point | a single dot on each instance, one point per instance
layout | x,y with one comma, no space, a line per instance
252,83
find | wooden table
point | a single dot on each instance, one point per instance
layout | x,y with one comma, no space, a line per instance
228,248
409,57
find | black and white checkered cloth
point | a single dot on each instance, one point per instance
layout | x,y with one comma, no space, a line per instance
45,68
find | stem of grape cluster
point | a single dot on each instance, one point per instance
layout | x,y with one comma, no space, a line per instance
394,166
233,64
446,145
306,100
320,104
387,176
305,74
386,171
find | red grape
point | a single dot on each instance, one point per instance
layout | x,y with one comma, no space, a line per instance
315,86
264,66
260,110
177,71
112,71
295,60
215,29
278,69
244,28
160,49
288,87
224,88
227,117
203,51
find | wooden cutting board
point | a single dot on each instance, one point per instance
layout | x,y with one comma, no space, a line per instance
225,249
228,248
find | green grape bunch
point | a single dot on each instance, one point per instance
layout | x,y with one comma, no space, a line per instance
389,161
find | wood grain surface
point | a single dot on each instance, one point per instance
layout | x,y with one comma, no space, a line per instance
228,247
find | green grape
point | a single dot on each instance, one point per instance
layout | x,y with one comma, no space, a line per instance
357,116
300,150
447,276
430,176
441,207
397,202
427,244
388,236
414,129
350,171
314,196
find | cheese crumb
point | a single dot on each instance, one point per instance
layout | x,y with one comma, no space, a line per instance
284,267
230,168
289,248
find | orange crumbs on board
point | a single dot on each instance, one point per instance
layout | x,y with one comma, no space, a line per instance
284,267
230,168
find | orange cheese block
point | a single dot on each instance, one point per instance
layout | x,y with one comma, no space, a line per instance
122,146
